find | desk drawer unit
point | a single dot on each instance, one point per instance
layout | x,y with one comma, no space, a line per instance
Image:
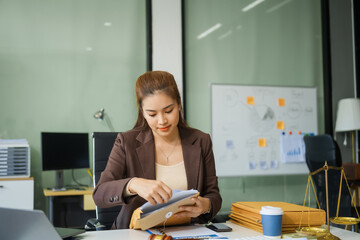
14,158
17,193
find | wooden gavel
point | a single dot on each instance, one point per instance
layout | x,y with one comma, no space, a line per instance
166,237
160,237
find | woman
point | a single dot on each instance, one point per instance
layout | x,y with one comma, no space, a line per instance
159,154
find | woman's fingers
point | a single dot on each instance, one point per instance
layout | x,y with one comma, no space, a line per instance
201,205
160,197
161,193
167,189
151,190
151,200
190,211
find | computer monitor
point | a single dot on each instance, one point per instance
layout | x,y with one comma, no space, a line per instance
61,151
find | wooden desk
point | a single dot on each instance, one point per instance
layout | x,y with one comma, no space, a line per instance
237,233
88,202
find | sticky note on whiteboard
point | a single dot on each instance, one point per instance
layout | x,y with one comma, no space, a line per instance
281,102
280,125
250,100
262,142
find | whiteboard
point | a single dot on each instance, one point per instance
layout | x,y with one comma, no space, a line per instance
248,122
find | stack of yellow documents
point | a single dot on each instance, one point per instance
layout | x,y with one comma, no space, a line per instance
247,214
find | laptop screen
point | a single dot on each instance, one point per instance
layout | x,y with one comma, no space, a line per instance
24,224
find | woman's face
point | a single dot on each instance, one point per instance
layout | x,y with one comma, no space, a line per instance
161,113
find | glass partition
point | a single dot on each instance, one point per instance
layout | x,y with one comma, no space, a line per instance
271,43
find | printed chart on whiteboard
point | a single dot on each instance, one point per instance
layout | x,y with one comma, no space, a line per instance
258,130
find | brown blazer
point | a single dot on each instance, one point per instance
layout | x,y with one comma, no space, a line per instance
133,155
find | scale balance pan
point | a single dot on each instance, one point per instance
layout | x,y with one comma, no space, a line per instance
312,231
345,220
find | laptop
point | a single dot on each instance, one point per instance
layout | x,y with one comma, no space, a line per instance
30,225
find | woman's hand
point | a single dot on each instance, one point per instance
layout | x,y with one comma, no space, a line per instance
151,190
201,206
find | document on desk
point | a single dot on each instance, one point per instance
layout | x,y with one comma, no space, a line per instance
292,148
192,231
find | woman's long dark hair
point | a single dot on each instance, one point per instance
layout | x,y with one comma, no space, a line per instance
156,81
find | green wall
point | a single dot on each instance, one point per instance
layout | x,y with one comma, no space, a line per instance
59,64
275,43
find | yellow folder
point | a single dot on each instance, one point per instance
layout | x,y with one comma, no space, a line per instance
247,214
161,216
293,214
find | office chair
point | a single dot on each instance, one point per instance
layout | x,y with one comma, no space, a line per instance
103,143
319,149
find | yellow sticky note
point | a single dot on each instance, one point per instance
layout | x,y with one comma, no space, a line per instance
280,125
250,100
262,142
281,102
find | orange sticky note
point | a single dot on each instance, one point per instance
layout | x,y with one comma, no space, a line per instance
262,142
281,102
280,125
250,100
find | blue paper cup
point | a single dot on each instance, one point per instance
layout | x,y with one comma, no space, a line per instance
271,218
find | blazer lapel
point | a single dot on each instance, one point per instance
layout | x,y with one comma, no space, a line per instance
146,153
192,157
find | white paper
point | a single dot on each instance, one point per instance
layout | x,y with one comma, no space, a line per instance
292,148
194,231
6,143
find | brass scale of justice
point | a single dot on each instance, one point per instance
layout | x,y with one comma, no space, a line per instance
324,233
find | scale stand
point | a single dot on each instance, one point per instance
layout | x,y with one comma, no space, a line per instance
322,233
328,235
